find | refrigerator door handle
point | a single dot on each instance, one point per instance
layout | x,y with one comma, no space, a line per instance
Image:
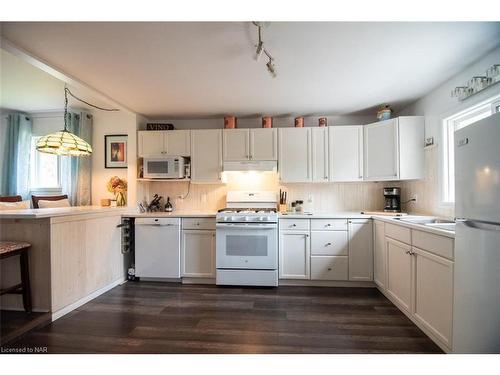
480,224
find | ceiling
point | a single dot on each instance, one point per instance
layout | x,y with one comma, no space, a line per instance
190,70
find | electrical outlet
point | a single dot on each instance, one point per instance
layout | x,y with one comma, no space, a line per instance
309,198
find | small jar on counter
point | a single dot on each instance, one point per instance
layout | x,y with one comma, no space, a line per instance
299,206
292,207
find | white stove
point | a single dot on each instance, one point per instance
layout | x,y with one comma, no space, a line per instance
247,239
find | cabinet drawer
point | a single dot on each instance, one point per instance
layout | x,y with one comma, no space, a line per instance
329,224
198,223
294,224
439,245
398,232
329,267
329,243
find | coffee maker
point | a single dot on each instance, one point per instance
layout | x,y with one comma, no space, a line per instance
392,197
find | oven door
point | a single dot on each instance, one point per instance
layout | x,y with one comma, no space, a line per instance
247,246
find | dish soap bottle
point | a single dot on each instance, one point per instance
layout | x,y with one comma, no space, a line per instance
168,206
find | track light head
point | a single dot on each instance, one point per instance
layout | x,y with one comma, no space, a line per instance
259,51
271,68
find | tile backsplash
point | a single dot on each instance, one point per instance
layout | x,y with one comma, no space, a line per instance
321,197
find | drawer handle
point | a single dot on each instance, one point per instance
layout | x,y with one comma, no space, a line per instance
329,268
198,224
293,225
328,244
328,225
408,252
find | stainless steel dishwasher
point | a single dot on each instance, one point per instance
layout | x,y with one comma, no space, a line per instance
157,248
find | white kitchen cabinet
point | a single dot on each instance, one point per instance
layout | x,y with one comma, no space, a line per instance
379,254
250,144
346,153
399,273
294,255
150,143
394,149
360,250
319,157
294,159
198,253
433,291
236,144
263,144
332,268
164,142
178,142
333,242
206,156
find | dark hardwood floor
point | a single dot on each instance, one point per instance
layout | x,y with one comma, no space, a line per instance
150,317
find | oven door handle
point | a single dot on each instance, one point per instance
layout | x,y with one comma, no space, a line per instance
246,226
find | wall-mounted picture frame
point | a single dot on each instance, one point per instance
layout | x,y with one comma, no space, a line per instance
115,151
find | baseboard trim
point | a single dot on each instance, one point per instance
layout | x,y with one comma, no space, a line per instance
160,279
326,283
65,310
198,280
424,329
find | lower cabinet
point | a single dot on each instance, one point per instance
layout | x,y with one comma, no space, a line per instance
329,267
379,254
360,250
434,293
198,253
399,272
294,255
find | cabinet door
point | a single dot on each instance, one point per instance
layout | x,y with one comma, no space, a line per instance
379,256
198,253
319,152
151,143
294,255
434,293
294,154
236,144
346,153
264,144
399,272
178,142
360,250
206,155
381,151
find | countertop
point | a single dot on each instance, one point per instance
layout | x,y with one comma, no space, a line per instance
43,213
171,214
326,215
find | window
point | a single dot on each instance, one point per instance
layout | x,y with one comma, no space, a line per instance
450,125
45,171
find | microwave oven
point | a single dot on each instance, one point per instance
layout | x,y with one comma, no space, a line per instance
165,167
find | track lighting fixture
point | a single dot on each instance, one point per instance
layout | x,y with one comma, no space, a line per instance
260,49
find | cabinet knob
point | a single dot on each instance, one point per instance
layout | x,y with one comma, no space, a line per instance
329,268
294,225
328,244
408,252
328,225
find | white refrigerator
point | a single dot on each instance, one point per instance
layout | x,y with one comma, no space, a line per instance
476,303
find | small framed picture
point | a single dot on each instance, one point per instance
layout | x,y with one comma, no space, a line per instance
115,151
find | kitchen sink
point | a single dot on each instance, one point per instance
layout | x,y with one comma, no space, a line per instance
450,226
430,221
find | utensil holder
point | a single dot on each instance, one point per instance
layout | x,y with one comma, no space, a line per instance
282,208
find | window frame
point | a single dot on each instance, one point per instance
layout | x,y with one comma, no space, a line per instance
35,163
449,125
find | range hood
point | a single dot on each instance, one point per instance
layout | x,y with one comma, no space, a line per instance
254,165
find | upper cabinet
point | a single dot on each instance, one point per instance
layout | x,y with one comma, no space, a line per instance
319,155
250,144
346,153
206,156
294,160
394,149
164,142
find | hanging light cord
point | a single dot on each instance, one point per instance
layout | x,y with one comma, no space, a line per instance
67,91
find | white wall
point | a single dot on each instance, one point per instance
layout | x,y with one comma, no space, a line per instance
109,123
436,106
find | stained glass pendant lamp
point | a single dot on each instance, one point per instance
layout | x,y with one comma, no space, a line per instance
63,142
